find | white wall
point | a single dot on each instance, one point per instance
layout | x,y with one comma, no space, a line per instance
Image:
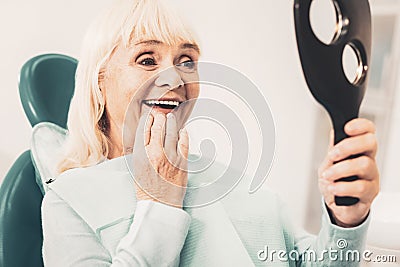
390,175
29,28
255,37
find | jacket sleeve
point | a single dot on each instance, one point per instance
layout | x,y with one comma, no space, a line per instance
333,246
155,237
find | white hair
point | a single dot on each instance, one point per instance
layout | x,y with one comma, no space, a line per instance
125,22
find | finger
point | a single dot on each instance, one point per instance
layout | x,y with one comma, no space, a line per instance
362,189
183,144
329,198
359,126
130,126
363,167
327,162
171,136
140,134
158,130
331,139
363,144
147,131
323,185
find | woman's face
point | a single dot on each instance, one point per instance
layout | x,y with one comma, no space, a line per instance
148,74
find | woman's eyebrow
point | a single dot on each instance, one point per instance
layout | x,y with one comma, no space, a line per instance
190,46
182,46
148,42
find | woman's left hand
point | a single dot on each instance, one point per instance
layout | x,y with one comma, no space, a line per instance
361,140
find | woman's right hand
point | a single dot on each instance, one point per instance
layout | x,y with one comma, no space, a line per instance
160,159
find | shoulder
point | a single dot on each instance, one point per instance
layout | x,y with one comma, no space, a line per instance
99,194
108,175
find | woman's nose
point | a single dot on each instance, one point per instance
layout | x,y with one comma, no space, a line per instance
170,78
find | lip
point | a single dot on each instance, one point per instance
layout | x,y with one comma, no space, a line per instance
166,99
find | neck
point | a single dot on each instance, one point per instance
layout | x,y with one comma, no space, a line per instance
115,144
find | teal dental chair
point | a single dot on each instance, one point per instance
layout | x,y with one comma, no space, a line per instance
46,86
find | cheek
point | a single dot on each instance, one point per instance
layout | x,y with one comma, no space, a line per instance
192,90
122,88
192,85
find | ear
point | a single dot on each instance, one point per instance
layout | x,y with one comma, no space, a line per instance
101,78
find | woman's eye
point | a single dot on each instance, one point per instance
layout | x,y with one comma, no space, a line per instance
188,65
147,62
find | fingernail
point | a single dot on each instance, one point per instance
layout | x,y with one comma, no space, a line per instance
159,114
351,126
170,116
182,131
154,113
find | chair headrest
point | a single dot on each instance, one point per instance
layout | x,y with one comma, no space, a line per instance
46,86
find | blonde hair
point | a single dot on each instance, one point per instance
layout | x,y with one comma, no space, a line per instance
126,21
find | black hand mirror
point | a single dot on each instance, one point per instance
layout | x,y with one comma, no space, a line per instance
323,64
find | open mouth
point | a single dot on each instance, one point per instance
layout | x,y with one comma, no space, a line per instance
164,104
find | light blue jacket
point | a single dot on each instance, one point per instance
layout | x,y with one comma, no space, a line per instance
91,218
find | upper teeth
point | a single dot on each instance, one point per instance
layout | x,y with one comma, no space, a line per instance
156,102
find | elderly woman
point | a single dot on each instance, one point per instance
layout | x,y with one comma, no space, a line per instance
137,65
